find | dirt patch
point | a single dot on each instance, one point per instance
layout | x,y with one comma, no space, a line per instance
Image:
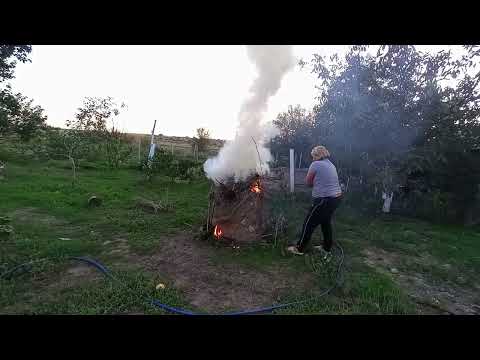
75,275
118,246
432,299
379,257
187,265
30,214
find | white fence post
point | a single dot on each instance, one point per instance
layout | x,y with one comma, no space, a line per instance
292,170
152,144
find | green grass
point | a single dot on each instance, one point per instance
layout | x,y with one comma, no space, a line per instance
48,189
368,293
51,221
455,250
102,296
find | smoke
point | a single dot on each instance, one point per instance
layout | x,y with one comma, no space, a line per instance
240,158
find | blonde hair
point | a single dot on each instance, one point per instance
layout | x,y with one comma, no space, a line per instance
320,152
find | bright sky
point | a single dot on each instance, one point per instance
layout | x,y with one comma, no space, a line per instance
182,87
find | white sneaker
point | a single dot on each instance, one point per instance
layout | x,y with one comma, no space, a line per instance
294,250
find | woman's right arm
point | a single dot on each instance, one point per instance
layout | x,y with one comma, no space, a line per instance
310,176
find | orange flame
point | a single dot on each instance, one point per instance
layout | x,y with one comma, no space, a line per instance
217,232
255,187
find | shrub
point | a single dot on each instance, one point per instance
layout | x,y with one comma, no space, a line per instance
166,164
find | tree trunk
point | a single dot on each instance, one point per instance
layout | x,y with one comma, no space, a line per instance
73,170
472,212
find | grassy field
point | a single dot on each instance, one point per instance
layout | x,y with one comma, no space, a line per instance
392,265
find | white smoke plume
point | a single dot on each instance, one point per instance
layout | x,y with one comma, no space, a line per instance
239,158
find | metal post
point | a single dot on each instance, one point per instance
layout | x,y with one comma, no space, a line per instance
152,144
292,170
153,132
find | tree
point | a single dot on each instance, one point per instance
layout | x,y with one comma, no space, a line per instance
17,114
9,55
89,129
446,157
94,114
295,127
202,139
91,124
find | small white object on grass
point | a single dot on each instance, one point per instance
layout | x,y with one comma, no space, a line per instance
160,286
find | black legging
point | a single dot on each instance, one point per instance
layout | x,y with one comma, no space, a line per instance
320,213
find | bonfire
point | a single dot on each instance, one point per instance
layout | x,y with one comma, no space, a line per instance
236,210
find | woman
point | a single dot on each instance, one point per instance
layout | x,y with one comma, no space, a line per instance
327,194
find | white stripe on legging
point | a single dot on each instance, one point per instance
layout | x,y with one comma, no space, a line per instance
306,223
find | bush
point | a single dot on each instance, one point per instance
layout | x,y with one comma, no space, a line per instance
116,147
166,164
434,206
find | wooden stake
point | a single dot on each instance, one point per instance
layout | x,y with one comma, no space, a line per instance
259,158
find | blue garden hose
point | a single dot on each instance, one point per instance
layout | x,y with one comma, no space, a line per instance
105,271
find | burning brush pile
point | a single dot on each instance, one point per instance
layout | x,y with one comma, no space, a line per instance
236,211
